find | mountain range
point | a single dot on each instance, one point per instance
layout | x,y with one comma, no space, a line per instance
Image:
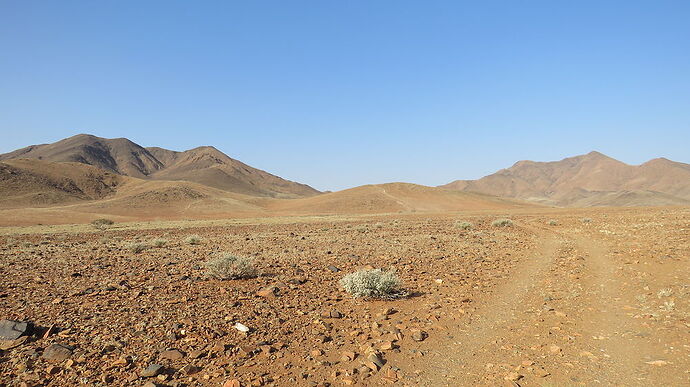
588,180
84,176
205,165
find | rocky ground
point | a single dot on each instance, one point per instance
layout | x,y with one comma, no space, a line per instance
561,297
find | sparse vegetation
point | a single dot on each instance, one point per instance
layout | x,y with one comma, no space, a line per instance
553,222
586,220
193,240
463,225
361,229
230,266
160,242
372,283
137,247
378,225
102,223
502,223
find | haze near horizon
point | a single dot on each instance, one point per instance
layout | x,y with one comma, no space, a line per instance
341,95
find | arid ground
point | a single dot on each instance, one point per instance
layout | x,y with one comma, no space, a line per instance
562,297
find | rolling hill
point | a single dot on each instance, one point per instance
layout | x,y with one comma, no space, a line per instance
204,165
588,180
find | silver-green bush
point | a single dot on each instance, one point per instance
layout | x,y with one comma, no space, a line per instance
137,247
374,283
502,223
230,266
463,225
193,240
160,242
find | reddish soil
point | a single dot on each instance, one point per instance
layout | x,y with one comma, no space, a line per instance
575,303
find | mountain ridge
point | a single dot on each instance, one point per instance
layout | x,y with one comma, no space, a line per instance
587,180
205,164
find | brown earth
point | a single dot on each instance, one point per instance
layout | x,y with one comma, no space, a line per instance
563,297
588,180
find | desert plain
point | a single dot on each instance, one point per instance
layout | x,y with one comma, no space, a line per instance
560,297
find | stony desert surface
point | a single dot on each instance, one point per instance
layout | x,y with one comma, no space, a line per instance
562,297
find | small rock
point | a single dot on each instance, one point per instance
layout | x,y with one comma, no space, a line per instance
513,377
57,352
172,354
316,353
152,370
376,359
336,314
419,335
333,268
196,354
348,356
241,327
232,383
555,349
12,330
190,369
268,292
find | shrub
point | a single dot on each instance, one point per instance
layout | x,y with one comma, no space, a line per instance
193,240
160,242
137,247
230,266
374,283
102,224
463,225
552,222
586,220
502,223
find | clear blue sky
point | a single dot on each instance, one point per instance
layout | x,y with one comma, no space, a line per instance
342,93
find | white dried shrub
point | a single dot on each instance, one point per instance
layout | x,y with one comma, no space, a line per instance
230,266
137,247
193,240
502,223
160,242
463,225
373,283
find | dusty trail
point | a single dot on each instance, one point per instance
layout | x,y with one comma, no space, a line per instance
459,361
564,317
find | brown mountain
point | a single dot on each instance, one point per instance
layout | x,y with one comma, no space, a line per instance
204,165
40,183
593,179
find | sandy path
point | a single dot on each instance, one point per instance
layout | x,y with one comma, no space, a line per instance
565,317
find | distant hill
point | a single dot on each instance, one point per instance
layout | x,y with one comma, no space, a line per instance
204,165
588,180
391,198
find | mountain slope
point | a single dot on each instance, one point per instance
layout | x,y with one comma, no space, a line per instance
587,180
41,183
204,165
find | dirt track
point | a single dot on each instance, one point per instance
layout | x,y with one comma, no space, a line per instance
569,316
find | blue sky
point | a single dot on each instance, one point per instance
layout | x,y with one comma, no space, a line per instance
343,93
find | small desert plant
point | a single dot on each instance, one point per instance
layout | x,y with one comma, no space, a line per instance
102,224
193,240
378,225
553,222
586,220
463,225
374,283
230,266
502,223
160,242
362,229
137,247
